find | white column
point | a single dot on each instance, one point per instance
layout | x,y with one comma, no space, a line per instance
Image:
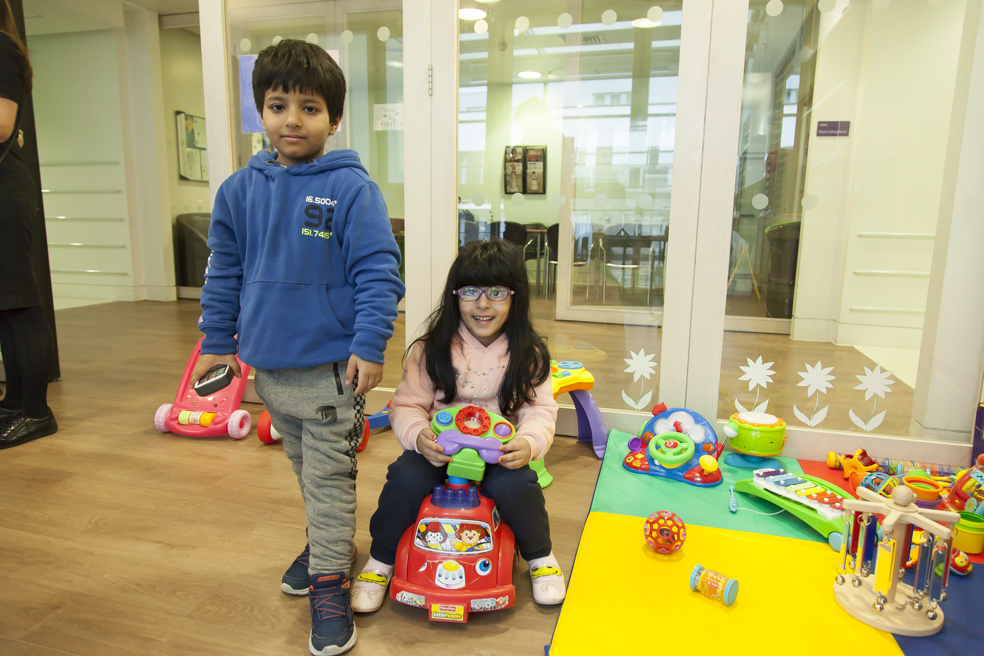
714,215
948,384
430,91
215,77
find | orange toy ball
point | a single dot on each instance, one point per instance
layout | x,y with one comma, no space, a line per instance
665,532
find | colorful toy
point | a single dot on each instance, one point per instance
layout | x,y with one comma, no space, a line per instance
379,419
205,416
570,376
959,560
813,500
969,533
927,490
967,492
861,463
879,483
714,585
269,435
665,532
756,436
457,558
677,444
863,554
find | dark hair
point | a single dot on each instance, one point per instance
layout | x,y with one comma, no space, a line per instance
9,27
294,65
488,263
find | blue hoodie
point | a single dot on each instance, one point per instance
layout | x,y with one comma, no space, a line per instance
304,266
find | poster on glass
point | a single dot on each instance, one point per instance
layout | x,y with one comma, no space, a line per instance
192,157
536,169
513,170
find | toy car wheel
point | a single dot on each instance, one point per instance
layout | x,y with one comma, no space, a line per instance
239,423
365,437
160,417
264,429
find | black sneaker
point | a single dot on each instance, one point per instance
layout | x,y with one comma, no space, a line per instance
19,428
296,580
332,628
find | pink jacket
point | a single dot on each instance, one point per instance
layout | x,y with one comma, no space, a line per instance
479,373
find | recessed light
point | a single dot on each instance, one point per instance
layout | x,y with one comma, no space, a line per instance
528,75
470,13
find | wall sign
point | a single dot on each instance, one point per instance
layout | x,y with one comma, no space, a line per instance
833,128
525,170
192,156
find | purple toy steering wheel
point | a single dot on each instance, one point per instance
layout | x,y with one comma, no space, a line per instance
454,441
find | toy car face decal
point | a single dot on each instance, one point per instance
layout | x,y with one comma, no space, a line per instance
453,536
483,567
450,575
410,599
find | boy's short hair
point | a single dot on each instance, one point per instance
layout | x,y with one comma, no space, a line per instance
295,65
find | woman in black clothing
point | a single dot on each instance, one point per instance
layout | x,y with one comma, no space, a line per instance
25,336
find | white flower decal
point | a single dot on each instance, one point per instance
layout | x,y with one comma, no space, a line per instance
816,380
758,374
873,383
640,366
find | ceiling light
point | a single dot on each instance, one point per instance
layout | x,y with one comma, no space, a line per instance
644,23
470,13
528,75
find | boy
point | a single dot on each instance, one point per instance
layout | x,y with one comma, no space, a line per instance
303,283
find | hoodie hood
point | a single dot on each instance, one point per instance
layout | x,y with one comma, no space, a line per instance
266,162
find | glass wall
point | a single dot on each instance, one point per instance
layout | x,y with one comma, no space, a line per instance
845,127
566,120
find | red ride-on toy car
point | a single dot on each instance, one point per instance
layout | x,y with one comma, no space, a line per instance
268,434
458,556
205,416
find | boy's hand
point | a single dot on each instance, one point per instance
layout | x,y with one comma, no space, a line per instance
370,373
430,449
208,360
518,453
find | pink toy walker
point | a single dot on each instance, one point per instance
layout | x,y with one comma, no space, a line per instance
205,416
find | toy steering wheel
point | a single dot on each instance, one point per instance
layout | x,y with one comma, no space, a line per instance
671,449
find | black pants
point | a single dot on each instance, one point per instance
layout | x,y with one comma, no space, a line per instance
411,478
26,346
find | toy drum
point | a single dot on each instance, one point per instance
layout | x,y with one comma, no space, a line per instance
757,433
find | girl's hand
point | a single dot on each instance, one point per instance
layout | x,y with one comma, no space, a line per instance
518,453
429,448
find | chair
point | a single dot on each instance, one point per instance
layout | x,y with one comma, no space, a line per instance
623,246
553,250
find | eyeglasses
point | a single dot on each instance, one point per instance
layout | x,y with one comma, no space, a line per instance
496,293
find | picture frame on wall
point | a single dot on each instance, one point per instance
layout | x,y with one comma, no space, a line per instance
192,155
536,170
514,179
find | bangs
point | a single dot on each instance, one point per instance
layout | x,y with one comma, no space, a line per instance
488,264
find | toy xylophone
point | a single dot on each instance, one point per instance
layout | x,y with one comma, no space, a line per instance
814,501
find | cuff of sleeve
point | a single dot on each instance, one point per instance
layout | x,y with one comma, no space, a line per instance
412,435
535,447
219,344
369,345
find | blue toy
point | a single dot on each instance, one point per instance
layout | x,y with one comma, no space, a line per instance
678,444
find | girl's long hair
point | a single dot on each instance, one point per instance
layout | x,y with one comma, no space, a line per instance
483,264
9,27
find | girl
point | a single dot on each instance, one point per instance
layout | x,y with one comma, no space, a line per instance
479,349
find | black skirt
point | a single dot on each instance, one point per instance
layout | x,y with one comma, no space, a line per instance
19,222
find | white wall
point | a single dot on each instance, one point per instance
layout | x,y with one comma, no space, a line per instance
181,77
866,249
80,147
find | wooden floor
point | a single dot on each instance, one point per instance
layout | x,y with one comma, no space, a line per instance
116,539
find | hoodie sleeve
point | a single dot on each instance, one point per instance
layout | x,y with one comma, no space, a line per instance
536,421
412,402
223,280
372,261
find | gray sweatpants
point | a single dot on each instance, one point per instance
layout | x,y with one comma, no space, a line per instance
321,420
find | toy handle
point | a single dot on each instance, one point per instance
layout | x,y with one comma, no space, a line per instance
453,441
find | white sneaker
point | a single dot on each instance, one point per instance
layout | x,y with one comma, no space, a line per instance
369,587
548,581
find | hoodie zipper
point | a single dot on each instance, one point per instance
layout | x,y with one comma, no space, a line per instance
338,379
